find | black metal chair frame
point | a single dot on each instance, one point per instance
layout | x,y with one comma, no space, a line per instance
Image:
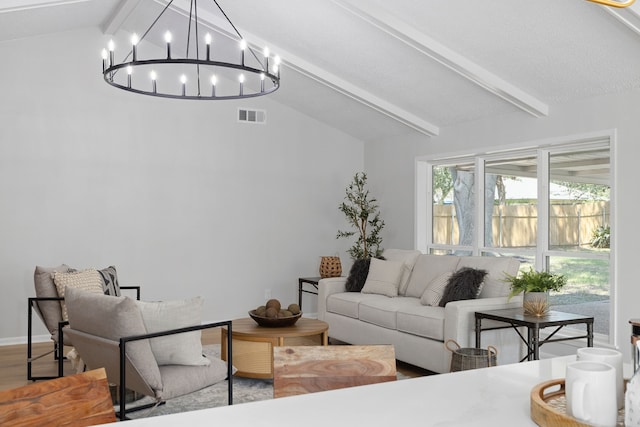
58,347
122,412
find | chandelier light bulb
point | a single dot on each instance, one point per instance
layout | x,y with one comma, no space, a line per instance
243,44
111,45
167,38
154,87
266,52
277,60
129,71
105,55
207,38
134,43
183,79
241,78
214,80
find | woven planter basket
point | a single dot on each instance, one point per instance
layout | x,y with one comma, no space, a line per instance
330,266
463,359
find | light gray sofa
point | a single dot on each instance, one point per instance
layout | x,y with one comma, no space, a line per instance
419,331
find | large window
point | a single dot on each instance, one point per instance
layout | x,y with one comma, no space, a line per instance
548,206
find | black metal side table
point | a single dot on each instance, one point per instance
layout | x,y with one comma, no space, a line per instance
516,317
313,281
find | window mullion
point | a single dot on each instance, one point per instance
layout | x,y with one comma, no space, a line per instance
542,238
478,240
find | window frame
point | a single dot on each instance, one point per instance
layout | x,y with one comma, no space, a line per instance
542,150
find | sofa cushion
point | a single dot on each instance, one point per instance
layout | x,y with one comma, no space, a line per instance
112,318
494,284
346,303
382,311
408,257
433,294
463,284
423,321
427,268
357,275
383,278
178,349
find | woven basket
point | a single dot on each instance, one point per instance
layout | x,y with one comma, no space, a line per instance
330,266
463,359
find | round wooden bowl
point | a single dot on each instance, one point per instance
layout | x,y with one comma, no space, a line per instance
277,322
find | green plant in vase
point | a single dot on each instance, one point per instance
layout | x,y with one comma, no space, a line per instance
536,286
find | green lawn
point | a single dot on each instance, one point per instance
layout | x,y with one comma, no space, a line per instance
588,280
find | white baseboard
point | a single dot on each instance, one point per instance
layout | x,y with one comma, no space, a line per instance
23,340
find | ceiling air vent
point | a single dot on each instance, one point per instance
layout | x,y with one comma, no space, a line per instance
252,116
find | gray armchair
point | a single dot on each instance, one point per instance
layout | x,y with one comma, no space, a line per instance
110,332
46,305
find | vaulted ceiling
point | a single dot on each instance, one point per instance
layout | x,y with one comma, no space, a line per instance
377,68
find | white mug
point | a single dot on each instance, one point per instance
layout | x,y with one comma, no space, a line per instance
610,357
590,389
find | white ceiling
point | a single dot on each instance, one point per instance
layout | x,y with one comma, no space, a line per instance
376,69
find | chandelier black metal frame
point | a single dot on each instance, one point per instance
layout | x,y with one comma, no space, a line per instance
260,79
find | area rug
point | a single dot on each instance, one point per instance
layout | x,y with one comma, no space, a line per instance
244,390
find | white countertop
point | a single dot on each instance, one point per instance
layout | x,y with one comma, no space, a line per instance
497,396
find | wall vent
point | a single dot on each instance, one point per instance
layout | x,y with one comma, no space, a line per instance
252,116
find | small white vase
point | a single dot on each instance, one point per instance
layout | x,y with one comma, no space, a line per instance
536,303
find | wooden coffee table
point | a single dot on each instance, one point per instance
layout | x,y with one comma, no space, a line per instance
253,344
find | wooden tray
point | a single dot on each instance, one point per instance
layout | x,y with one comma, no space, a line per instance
549,406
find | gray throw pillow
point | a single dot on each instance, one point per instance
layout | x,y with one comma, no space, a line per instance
463,284
358,275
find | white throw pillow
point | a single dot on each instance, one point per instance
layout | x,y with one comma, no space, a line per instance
179,349
408,257
435,289
383,278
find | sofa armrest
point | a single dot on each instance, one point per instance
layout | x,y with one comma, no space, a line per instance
326,287
459,316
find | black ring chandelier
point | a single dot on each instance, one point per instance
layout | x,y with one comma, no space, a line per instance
196,75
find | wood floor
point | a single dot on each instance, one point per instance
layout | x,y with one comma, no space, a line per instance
13,362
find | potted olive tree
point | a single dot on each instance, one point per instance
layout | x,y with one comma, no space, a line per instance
361,211
536,286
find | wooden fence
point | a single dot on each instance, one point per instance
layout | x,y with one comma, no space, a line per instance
516,225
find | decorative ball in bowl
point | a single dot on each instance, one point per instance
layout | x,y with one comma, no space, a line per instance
275,322
272,314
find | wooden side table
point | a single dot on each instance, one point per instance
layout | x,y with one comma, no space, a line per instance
253,345
313,281
515,317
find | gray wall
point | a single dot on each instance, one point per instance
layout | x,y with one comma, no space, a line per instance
619,112
177,195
